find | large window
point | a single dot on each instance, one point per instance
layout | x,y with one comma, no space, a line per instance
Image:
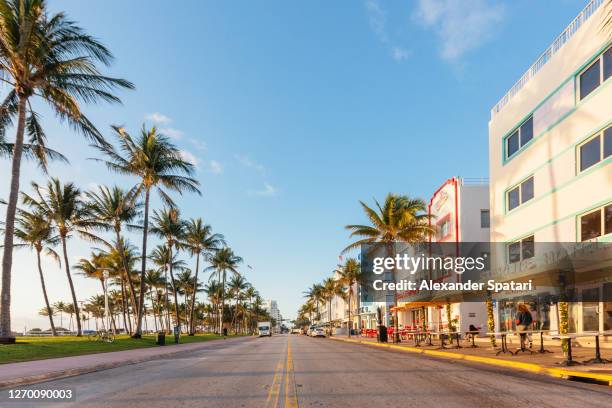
596,223
521,249
596,149
596,73
520,137
520,194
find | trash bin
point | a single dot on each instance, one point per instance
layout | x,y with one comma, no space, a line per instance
224,331
161,339
383,337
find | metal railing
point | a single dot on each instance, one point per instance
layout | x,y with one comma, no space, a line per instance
557,44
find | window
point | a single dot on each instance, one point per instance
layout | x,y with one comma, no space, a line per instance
596,149
589,79
444,229
520,194
520,137
599,71
521,250
596,223
607,61
485,220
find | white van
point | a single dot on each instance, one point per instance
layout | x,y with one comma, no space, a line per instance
264,329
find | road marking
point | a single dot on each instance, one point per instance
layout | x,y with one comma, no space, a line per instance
290,388
274,392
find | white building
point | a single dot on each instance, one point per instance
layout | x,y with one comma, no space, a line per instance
272,308
550,157
459,212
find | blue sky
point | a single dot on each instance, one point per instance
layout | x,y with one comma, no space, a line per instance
294,111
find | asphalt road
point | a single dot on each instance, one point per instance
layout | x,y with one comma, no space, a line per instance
291,371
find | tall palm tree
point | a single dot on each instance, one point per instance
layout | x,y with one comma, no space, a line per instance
111,209
331,288
316,295
60,307
213,292
154,281
168,225
250,293
62,205
52,58
400,219
36,232
159,165
236,286
200,240
164,259
224,261
350,274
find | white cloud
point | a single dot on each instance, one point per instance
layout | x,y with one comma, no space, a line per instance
190,158
461,25
268,190
171,132
399,53
216,167
159,118
247,162
198,144
377,18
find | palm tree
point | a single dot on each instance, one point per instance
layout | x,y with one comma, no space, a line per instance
158,164
153,281
60,307
213,291
315,294
331,288
49,312
200,240
223,261
37,233
52,58
350,274
250,294
236,286
111,209
165,259
62,205
168,225
400,219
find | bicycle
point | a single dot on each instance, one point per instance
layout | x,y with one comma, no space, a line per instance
102,335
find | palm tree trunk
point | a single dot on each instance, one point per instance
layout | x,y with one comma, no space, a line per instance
72,292
44,289
176,305
222,304
145,232
153,309
166,295
9,227
349,323
127,272
195,289
125,308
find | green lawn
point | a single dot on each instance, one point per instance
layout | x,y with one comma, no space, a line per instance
39,348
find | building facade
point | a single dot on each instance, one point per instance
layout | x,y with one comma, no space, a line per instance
271,307
550,157
459,212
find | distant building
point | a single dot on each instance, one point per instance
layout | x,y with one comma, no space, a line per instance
271,307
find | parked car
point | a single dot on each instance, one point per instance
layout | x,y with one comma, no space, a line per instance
318,332
295,330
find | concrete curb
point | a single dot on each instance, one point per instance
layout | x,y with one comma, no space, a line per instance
534,368
56,375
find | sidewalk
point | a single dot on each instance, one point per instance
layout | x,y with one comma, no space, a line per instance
29,372
547,363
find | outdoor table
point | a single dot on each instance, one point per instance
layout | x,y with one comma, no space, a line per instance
428,337
504,344
597,359
458,336
441,337
569,360
523,336
472,334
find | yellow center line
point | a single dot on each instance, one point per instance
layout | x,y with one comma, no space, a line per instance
290,390
274,391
